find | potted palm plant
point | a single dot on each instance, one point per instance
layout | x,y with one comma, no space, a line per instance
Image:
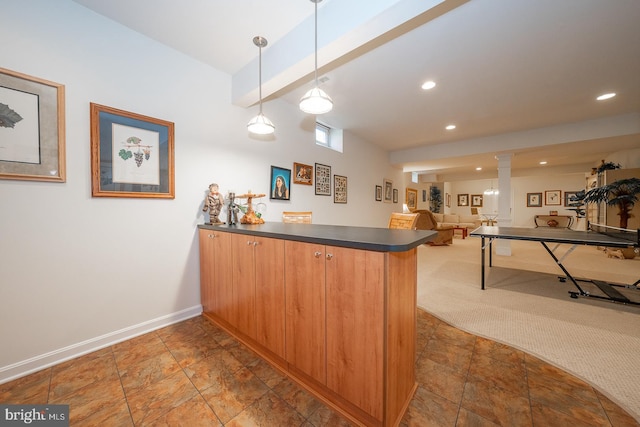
622,193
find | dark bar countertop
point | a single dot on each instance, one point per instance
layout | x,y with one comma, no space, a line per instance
367,238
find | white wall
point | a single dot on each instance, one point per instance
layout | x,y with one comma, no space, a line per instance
522,215
77,272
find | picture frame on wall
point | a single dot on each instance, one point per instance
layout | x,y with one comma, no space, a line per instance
32,128
323,180
302,174
387,187
131,154
534,200
553,197
448,200
568,197
378,193
395,195
477,200
463,200
339,189
412,198
280,183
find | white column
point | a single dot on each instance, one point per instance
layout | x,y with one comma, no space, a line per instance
503,247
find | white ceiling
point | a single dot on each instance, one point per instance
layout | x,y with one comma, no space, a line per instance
517,76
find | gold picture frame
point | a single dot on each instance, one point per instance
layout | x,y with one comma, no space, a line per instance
412,198
302,174
32,128
131,154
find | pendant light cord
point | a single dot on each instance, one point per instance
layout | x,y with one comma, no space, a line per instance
260,76
316,31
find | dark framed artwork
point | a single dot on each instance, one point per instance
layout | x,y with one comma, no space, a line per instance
568,196
32,128
280,183
323,180
339,189
131,154
463,200
395,195
387,186
553,197
534,200
476,200
302,174
378,193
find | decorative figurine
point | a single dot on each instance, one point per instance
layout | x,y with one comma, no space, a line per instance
232,209
213,203
250,216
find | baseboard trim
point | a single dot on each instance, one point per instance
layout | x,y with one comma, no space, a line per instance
46,360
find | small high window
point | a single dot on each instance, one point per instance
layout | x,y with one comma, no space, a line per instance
329,137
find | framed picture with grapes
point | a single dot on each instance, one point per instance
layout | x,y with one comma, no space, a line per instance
131,154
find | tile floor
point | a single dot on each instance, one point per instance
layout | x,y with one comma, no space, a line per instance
194,374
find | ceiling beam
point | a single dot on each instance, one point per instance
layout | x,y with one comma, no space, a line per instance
346,29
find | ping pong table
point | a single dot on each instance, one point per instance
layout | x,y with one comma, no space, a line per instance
574,238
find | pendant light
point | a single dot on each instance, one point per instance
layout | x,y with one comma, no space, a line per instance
316,101
260,124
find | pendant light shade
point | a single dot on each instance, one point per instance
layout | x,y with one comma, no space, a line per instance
316,101
260,124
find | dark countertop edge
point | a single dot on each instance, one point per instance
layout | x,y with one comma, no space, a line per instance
378,245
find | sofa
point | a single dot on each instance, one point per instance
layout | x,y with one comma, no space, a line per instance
426,221
471,222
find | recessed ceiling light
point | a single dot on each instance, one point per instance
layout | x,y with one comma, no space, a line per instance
450,127
430,84
606,96
544,162
478,168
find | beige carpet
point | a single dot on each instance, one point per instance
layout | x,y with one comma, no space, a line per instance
524,305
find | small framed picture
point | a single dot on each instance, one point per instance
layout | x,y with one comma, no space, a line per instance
395,195
339,189
448,200
569,196
412,198
323,180
388,190
552,197
476,200
280,183
302,174
534,200
463,200
553,213
378,193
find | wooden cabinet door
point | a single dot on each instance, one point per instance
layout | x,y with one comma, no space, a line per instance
244,284
269,270
355,326
305,308
215,273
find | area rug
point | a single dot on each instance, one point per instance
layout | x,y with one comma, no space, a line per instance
525,305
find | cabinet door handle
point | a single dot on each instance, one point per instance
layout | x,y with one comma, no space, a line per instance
317,254
211,236
249,243
256,243
329,256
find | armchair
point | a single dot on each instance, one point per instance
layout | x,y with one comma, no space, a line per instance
426,221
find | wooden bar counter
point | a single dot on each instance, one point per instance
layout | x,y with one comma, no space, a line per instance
331,307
